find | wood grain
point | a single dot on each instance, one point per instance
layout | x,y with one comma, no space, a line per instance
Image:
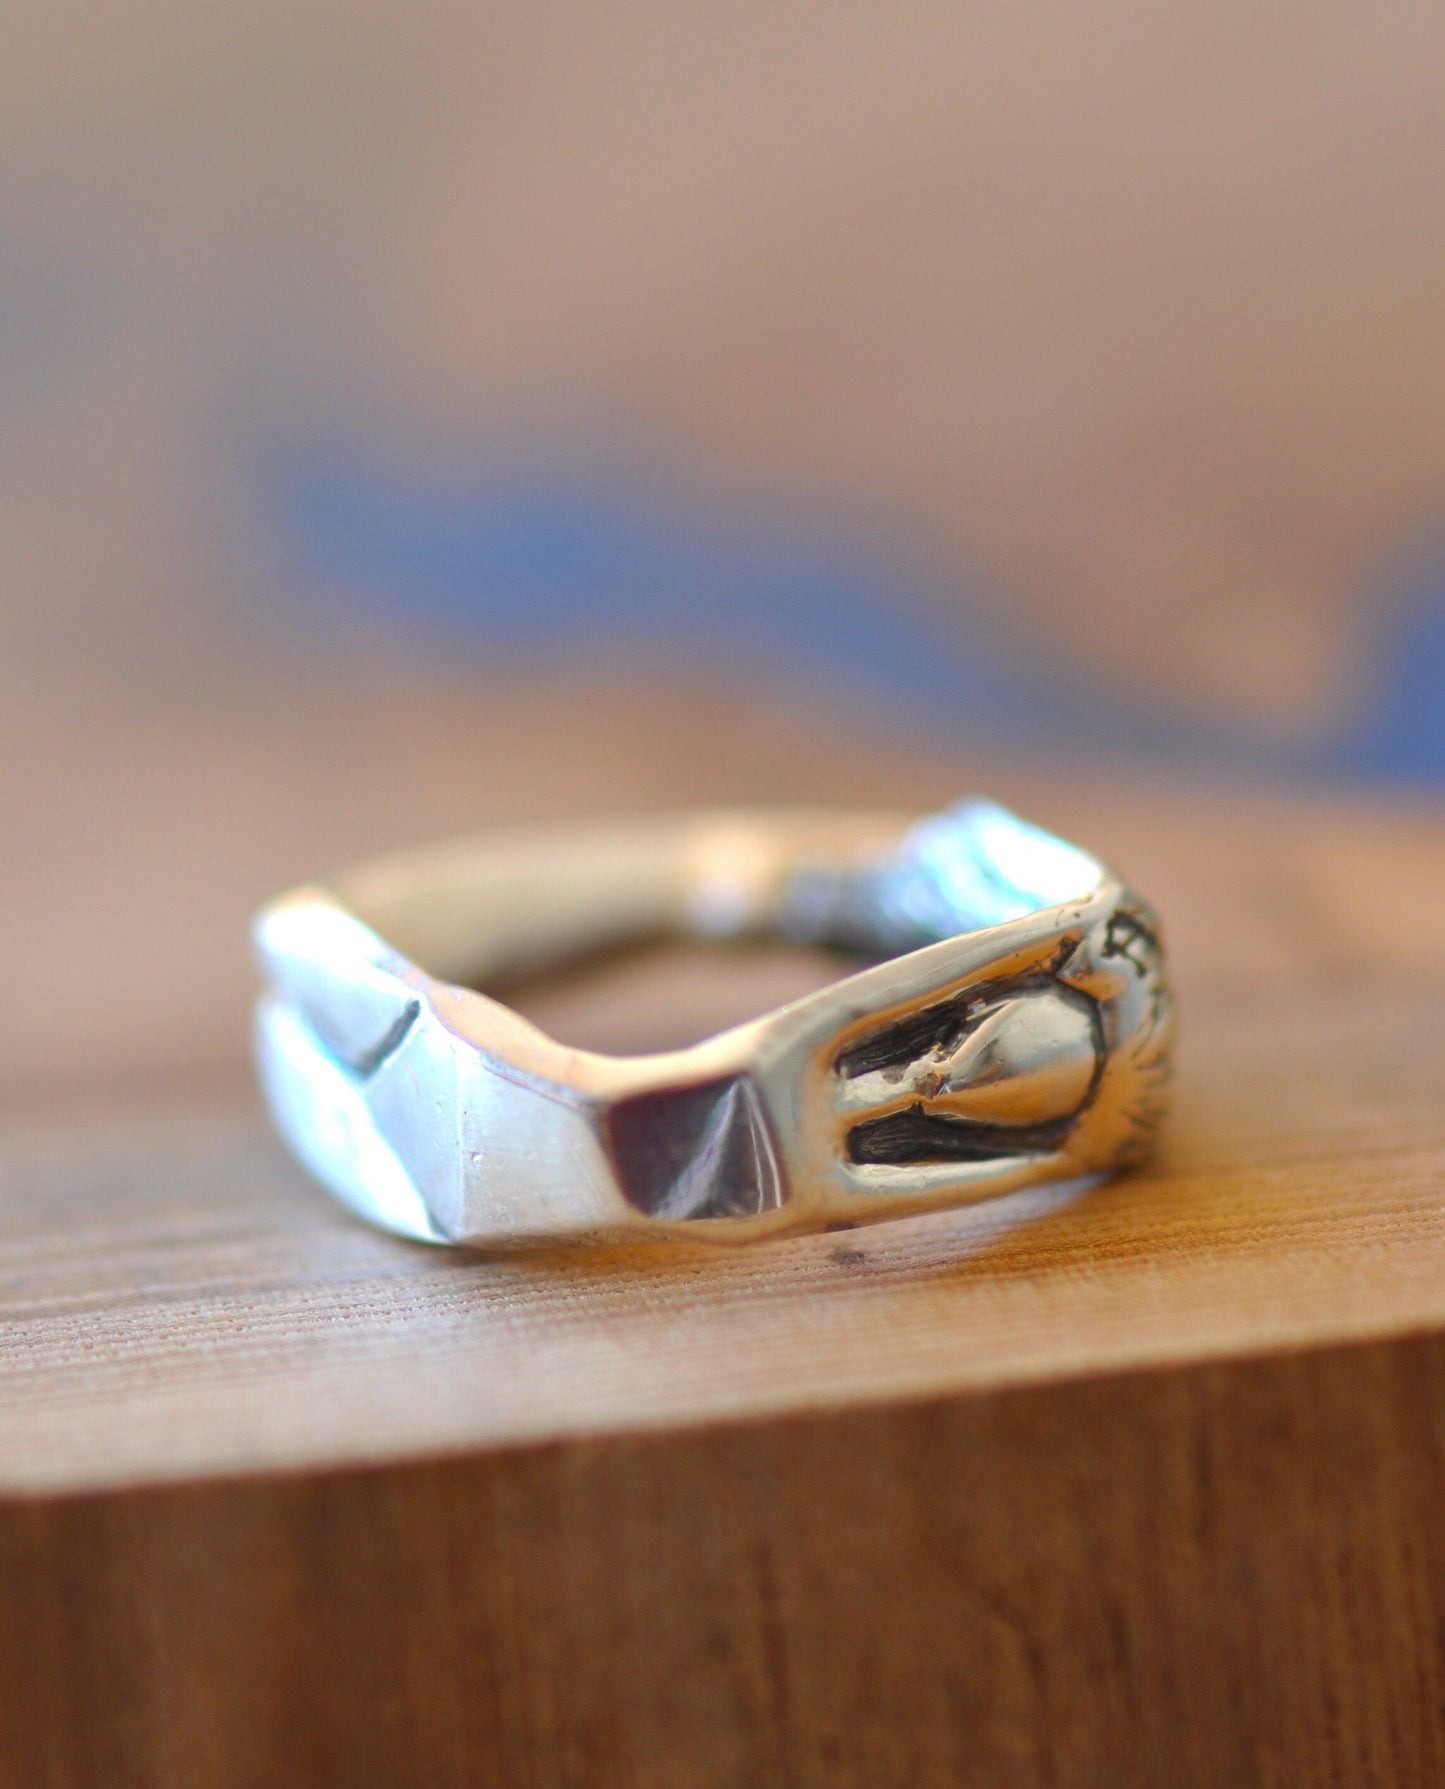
1221,1575
1139,1485
179,1301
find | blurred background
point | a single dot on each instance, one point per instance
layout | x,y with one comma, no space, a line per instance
415,416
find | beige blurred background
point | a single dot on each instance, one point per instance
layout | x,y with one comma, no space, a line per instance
1119,331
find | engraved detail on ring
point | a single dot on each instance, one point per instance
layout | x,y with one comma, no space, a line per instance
1001,1072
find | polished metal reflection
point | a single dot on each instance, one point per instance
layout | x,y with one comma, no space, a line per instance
1022,1035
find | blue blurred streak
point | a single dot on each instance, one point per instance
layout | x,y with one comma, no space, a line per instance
1402,734
533,565
525,566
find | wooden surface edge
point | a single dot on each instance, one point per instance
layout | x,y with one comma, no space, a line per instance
1224,1573
263,1329
686,1422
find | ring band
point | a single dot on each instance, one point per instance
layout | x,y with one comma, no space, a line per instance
1013,1026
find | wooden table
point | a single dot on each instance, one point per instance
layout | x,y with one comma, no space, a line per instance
1138,1486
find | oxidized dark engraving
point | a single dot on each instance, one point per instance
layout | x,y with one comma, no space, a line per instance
919,1135
1146,1069
1130,936
1005,1070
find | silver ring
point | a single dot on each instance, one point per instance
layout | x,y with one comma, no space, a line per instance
1013,1026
